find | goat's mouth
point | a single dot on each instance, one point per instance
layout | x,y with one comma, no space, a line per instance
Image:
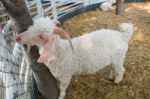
18,39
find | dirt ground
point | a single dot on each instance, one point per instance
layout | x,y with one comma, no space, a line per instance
136,82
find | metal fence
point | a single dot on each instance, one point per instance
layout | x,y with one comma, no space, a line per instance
54,8
15,74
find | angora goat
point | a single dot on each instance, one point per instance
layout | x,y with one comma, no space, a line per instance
92,52
107,5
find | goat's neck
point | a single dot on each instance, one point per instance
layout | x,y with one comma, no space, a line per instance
62,47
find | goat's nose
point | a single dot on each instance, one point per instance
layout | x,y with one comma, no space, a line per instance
18,39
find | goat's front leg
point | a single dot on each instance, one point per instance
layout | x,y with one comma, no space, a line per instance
112,75
63,86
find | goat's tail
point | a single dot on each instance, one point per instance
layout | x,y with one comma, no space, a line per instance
127,29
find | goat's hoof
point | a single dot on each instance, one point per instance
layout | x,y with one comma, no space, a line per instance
111,76
117,81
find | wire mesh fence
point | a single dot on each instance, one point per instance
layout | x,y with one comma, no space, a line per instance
15,74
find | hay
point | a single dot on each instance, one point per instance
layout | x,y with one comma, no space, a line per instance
136,82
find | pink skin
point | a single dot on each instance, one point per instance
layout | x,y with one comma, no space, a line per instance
32,39
47,52
43,41
46,45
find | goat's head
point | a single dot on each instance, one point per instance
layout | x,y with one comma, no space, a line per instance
43,36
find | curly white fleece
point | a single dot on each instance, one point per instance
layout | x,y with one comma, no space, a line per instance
107,5
93,52
42,24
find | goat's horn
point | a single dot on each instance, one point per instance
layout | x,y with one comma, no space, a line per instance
64,34
57,22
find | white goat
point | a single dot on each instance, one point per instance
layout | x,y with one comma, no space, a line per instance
92,52
107,5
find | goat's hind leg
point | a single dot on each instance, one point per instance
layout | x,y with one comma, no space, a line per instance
119,70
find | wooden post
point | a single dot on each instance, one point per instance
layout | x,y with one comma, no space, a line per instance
45,81
119,7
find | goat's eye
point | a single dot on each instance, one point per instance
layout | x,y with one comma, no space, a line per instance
40,36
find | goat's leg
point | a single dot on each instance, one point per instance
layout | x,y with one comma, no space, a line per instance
118,70
112,74
63,86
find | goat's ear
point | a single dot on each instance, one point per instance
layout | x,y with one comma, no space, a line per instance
47,52
56,22
64,34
